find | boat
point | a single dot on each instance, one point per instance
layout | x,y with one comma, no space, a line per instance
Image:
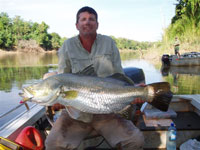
40,119
186,59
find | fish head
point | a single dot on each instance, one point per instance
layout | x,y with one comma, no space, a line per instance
44,93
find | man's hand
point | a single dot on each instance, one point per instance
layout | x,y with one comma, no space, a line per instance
57,107
46,75
138,100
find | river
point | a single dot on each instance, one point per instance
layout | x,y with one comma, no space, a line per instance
18,70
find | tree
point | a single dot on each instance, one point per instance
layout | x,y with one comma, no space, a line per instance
186,22
6,39
55,40
41,35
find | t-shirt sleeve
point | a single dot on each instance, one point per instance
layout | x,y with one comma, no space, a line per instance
64,65
116,59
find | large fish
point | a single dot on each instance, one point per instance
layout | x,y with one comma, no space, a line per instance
95,95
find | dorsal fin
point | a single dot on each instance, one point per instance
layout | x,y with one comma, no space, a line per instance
122,77
89,70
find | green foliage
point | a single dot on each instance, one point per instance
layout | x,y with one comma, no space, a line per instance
186,22
21,29
55,40
62,40
41,35
123,43
16,29
6,39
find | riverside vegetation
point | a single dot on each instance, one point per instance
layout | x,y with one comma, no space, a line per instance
26,36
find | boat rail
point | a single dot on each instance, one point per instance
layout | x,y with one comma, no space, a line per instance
23,116
13,109
26,117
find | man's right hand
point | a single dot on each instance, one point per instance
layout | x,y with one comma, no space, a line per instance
46,75
57,107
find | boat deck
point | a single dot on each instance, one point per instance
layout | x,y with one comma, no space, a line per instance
195,99
187,122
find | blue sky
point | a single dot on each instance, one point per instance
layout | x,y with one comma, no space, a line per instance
141,20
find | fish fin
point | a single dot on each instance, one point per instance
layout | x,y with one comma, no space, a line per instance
128,111
89,70
162,95
79,115
122,77
70,95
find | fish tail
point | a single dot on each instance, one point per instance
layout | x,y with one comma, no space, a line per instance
161,95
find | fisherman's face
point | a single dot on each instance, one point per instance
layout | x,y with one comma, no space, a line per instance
87,24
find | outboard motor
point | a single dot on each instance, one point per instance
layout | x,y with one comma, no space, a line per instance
135,74
166,60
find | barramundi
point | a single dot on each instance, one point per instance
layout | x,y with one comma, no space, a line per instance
95,95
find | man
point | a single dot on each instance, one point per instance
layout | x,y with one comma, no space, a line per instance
176,47
76,54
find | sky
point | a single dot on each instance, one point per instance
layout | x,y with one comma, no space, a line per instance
140,20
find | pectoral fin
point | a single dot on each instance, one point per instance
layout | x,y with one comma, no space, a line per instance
79,115
70,95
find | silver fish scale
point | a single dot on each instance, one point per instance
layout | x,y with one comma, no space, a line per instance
99,100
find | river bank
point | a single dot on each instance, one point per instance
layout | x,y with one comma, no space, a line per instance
18,51
152,54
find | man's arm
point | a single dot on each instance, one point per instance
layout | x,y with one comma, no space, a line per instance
64,64
116,59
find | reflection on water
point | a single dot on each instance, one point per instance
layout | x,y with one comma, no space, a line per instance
183,80
12,79
129,55
18,76
17,70
151,73
26,59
